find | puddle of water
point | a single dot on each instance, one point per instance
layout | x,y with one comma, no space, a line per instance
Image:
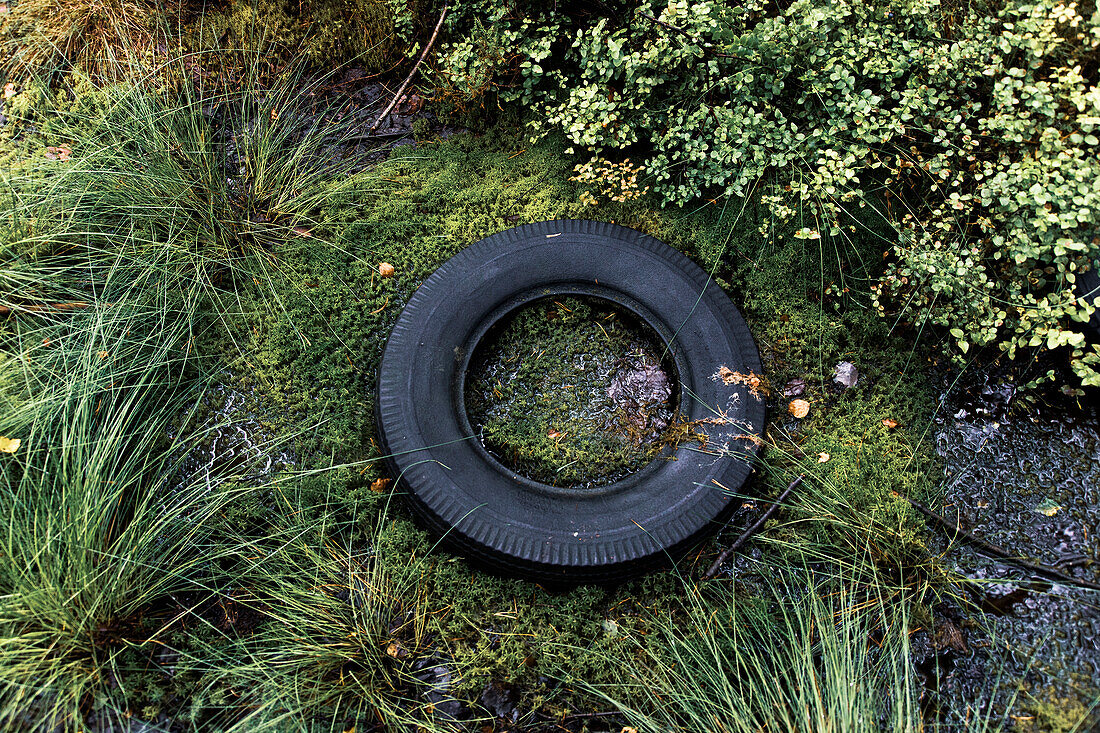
235,445
1029,481
570,392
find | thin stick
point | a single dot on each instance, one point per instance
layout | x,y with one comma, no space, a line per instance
748,533
989,548
7,310
416,66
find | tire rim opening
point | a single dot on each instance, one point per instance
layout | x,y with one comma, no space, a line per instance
571,391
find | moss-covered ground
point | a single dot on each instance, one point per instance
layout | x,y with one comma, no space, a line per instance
310,349
547,393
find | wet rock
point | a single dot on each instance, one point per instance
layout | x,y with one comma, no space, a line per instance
502,700
846,374
1000,465
236,446
438,680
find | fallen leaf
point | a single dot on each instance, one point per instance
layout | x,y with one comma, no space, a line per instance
846,374
385,269
103,355
9,90
553,434
302,232
59,152
890,423
946,635
379,485
823,456
9,445
1049,507
395,650
754,382
799,408
794,388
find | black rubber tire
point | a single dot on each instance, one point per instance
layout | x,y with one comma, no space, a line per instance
553,535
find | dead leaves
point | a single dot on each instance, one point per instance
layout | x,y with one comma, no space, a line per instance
378,486
9,445
60,152
756,384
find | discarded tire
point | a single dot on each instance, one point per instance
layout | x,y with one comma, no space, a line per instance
564,535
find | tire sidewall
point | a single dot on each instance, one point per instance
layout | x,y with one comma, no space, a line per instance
509,522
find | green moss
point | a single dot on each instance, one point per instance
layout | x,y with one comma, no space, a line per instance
311,362
1050,714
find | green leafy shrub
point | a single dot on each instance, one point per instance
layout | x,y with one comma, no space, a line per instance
973,130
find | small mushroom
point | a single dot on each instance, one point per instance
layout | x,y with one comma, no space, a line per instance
385,269
799,408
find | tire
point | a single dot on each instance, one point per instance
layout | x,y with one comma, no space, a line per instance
557,536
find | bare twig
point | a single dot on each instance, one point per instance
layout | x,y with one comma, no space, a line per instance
423,55
44,308
663,24
748,533
957,532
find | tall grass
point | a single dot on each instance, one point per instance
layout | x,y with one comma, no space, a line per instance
217,183
112,267
95,531
808,654
344,635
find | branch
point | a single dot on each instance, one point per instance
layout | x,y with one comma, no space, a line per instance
416,66
748,533
989,548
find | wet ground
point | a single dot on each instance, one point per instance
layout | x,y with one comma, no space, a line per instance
1025,477
570,392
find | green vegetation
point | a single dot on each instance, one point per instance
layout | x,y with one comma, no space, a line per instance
805,654
189,260
971,127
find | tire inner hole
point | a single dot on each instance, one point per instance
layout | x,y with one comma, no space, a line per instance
572,392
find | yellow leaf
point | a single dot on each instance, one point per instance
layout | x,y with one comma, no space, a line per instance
9,445
799,408
823,456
